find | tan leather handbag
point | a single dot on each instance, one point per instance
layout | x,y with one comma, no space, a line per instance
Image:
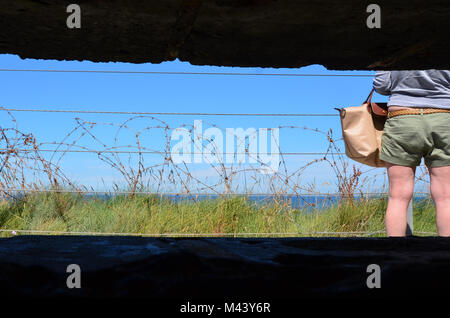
362,128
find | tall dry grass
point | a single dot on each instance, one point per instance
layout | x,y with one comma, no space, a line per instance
27,166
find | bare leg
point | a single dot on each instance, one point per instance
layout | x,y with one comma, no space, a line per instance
401,188
440,192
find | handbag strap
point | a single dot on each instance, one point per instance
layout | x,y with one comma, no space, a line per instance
369,98
376,108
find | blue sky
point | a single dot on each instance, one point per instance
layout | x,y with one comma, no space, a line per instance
178,93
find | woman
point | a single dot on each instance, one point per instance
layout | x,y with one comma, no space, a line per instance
418,125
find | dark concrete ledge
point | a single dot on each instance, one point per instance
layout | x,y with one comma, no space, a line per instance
133,267
267,33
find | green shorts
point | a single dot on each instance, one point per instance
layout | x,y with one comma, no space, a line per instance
408,138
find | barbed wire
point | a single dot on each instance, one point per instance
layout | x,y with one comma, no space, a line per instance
188,234
364,233
164,113
198,194
12,150
84,191
183,73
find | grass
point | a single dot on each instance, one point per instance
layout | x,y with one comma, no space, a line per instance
23,172
65,212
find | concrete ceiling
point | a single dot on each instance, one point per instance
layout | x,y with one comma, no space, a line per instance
267,33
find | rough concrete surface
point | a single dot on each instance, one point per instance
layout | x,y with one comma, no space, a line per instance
135,267
267,33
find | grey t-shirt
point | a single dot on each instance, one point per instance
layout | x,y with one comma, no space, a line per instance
428,88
